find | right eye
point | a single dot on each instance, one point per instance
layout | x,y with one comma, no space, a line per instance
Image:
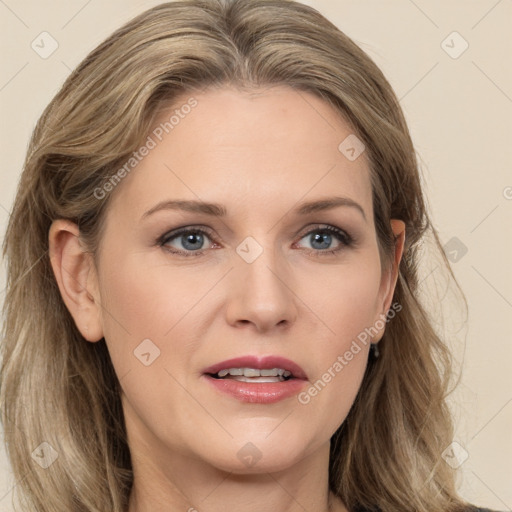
191,241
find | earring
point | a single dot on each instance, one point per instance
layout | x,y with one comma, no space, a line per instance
374,350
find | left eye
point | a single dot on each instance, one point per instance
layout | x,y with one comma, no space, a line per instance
324,236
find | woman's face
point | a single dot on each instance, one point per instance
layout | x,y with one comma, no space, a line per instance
269,278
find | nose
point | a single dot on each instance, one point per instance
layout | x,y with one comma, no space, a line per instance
261,294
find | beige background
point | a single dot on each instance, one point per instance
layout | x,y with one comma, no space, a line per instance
460,114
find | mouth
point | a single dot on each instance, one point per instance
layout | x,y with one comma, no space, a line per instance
254,374
257,379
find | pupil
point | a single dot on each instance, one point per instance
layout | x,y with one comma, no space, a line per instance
194,240
320,237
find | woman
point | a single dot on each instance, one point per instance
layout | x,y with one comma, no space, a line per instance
212,279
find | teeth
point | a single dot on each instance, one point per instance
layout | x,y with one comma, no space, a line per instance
254,372
258,379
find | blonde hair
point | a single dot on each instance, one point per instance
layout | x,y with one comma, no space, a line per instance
58,389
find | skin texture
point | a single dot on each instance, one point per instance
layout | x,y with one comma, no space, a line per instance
260,154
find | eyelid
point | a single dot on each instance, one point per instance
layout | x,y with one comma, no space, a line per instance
173,233
323,226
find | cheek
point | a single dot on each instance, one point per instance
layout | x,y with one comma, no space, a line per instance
143,300
346,298
136,307
146,299
341,362
348,307
145,322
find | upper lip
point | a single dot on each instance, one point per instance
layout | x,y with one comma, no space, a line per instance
260,363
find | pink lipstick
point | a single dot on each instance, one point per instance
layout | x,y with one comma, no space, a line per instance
253,379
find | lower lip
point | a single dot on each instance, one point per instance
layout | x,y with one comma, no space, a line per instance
257,392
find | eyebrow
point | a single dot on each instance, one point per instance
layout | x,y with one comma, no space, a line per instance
218,210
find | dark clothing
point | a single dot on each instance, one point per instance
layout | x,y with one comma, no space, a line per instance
470,509
475,509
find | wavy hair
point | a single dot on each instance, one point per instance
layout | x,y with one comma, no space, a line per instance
58,389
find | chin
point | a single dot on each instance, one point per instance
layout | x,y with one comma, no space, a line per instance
259,453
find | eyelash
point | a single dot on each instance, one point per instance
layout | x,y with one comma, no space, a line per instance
343,237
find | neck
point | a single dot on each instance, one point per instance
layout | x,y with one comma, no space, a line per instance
187,484
178,478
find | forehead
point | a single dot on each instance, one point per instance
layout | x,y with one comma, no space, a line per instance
248,148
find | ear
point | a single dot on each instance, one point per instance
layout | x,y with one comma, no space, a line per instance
76,277
390,275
